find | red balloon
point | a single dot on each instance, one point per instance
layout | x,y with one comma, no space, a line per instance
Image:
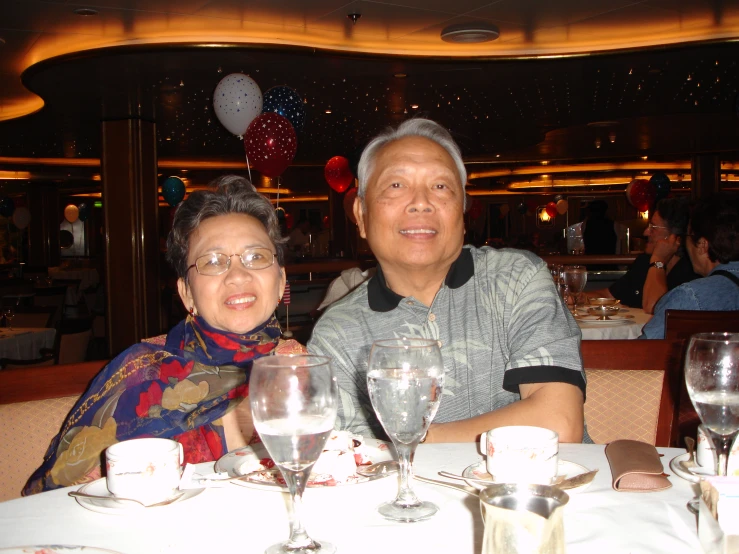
642,194
551,209
349,197
270,143
338,174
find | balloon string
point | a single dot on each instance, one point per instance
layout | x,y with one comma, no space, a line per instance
248,167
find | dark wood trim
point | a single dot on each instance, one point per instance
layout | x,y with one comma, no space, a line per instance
621,259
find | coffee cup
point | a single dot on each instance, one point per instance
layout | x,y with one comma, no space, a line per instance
705,453
521,454
147,470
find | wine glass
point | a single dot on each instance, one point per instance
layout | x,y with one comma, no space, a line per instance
575,278
405,378
712,379
293,402
9,314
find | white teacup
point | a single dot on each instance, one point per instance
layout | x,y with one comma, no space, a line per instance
705,453
147,470
521,454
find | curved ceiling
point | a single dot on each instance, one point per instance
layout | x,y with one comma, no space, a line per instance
33,30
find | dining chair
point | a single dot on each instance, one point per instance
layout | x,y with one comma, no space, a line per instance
70,345
632,389
681,324
33,405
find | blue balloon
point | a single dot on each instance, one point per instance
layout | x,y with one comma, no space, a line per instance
173,190
84,210
661,183
7,206
286,102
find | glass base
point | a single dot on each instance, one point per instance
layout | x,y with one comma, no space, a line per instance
318,547
407,514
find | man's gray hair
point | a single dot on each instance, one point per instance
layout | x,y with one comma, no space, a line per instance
230,194
416,127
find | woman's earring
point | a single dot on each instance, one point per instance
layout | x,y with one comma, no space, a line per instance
192,311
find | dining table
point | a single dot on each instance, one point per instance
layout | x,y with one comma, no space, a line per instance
626,325
250,517
25,343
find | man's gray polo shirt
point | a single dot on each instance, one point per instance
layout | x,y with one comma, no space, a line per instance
499,320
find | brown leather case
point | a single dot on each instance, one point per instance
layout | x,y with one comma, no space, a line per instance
636,467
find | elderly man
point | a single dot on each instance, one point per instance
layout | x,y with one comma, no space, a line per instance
510,348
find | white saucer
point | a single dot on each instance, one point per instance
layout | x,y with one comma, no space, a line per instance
110,505
565,469
56,549
613,320
688,476
271,479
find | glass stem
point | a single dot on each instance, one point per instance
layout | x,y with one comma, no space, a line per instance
406,497
722,443
299,539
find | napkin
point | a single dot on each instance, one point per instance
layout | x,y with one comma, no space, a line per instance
636,467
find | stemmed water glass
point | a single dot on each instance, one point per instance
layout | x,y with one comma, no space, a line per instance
9,314
712,379
405,379
575,277
293,402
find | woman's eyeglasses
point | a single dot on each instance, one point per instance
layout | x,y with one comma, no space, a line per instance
653,227
217,263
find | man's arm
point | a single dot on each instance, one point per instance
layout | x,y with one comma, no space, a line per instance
655,286
556,406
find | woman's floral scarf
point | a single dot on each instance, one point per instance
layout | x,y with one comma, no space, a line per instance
179,391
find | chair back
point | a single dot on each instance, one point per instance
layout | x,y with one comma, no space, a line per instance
680,324
34,316
72,347
34,402
632,389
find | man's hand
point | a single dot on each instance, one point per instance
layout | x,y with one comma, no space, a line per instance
555,406
665,249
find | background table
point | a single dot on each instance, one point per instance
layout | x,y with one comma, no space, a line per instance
600,331
241,519
88,276
25,343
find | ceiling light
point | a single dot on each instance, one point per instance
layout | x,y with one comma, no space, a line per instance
400,75
328,111
85,12
467,33
414,106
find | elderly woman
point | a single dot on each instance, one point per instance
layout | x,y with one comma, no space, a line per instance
663,266
226,248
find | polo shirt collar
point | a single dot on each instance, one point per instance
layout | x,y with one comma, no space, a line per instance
382,299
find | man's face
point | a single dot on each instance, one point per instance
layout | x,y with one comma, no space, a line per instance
656,232
413,217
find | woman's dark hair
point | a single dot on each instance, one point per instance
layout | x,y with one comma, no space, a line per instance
230,194
716,219
676,213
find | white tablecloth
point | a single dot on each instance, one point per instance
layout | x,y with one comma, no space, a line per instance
24,343
88,276
607,330
240,519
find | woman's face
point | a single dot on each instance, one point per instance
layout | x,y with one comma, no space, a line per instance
240,299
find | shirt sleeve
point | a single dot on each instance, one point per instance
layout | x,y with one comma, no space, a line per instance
629,288
680,298
355,412
543,337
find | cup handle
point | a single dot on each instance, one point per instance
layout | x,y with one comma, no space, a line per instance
182,454
484,444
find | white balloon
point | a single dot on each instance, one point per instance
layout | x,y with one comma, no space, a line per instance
71,213
237,100
21,217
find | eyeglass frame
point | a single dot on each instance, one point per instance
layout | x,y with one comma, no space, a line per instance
228,264
651,226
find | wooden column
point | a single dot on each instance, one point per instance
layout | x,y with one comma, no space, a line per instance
43,231
130,204
705,175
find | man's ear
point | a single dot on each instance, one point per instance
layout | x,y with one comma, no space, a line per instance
359,216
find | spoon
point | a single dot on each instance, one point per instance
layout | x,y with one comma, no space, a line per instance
689,464
78,494
559,482
391,466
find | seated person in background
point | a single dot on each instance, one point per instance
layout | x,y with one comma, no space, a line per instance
663,266
713,247
226,248
598,231
510,347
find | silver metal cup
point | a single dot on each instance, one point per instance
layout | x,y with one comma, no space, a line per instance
523,519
